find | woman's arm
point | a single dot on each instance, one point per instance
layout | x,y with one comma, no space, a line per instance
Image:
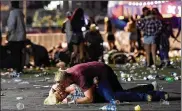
88,97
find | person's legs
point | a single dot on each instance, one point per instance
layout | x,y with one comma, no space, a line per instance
16,55
81,51
161,54
142,88
113,80
104,89
74,54
20,54
132,96
147,49
153,50
110,45
131,46
166,57
158,95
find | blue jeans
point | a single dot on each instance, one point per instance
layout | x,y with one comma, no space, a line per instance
164,54
135,94
149,40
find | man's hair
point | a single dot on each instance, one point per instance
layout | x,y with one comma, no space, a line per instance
61,75
15,4
145,9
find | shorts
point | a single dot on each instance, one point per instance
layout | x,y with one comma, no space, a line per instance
133,36
149,40
77,38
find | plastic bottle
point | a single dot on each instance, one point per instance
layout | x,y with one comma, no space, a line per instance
109,108
137,108
169,79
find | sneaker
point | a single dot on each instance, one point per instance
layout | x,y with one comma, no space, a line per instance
166,96
148,98
156,87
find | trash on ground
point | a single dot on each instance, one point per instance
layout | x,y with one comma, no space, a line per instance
137,108
20,106
19,98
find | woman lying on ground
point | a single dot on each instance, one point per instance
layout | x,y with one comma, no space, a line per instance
106,89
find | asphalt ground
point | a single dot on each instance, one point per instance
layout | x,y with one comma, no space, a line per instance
34,90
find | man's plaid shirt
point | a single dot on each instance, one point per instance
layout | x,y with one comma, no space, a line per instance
150,25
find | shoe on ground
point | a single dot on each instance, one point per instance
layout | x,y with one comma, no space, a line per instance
148,98
156,87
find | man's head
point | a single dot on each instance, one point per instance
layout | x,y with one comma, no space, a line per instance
15,4
63,78
145,10
68,14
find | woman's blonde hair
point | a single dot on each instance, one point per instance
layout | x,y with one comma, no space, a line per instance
60,75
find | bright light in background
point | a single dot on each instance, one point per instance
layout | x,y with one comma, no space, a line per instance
53,5
148,3
129,3
158,2
144,3
179,10
112,4
140,3
64,44
155,2
120,2
134,3
121,17
171,9
137,3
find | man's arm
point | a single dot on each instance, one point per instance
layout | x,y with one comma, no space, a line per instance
11,24
88,97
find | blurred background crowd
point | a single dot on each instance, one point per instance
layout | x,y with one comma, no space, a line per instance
114,32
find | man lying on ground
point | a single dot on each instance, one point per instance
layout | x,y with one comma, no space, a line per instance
108,88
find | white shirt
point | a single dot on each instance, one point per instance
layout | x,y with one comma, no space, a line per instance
16,26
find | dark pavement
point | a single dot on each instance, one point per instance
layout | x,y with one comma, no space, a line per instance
35,89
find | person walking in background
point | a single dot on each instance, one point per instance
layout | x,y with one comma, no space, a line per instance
77,22
164,44
110,35
16,36
93,42
151,26
131,27
68,30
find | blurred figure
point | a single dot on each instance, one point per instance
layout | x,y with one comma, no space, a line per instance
38,53
110,35
0,33
77,22
68,30
16,36
179,27
139,36
157,13
131,27
151,26
93,41
144,11
164,45
159,17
